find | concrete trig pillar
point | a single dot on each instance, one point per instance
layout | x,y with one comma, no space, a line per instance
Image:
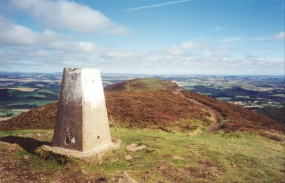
82,121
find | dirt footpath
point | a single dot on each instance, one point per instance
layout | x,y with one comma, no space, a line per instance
217,125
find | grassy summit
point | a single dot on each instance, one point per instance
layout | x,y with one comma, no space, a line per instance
169,157
142,85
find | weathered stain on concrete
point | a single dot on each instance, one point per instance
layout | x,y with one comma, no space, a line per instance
82,121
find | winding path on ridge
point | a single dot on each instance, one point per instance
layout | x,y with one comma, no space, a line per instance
215,114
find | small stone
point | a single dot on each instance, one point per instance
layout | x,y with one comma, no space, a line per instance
38,134
117,141
177,157
144,177
84,172
128,157
134,148
66,167
25,158
11,149
123,177
49,134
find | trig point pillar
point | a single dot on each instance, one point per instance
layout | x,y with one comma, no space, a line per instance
82,122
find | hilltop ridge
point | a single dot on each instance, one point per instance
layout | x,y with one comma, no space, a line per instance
143,85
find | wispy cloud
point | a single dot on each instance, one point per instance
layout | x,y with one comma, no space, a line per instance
231,39
277,37
218,28
154,5
280,36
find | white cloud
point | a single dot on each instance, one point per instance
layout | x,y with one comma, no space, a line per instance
175,51
116,30
223,47
231,39
60,15
88,47
47,49
193,45
280,36
16,34
22,47
202,46
249,56
72,47
117,54
218,28
211,55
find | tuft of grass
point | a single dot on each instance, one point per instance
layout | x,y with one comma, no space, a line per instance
223,120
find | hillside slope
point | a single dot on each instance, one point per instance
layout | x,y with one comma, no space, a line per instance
40,118
153,109
238,118
151,103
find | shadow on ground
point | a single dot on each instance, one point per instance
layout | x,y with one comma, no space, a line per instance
28,144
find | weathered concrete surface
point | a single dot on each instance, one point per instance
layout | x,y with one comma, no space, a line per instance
82,121
86,155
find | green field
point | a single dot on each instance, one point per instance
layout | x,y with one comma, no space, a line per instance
224,98
55,91
8,113
245,86
188,87
238,96
279,95
23,94
20,100
30,102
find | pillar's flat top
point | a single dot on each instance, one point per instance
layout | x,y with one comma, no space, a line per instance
81,69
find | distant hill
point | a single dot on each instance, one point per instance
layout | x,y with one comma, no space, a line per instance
156,103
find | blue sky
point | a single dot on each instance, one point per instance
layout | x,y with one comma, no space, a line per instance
219,37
